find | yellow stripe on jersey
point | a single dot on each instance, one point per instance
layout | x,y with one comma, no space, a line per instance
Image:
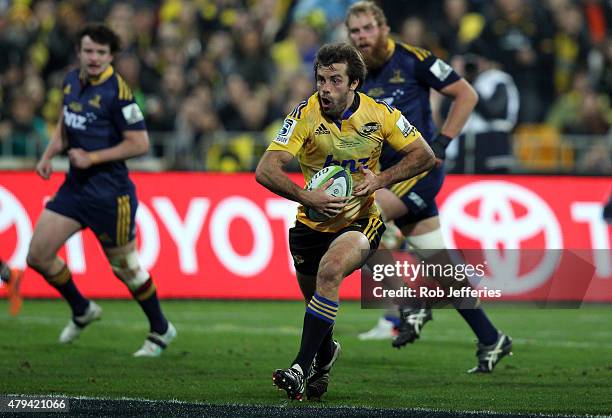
125,93
420,53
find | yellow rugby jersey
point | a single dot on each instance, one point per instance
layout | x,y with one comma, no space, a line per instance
352,142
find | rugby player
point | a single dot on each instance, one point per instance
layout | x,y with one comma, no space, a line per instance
101,126
336,125
402,76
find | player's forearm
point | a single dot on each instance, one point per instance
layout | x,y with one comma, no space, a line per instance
126,149
275,180
416,161
459,112
54,147
56,143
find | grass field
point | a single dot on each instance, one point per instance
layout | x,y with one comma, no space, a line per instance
226,351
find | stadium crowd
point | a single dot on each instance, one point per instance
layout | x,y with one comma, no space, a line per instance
207,70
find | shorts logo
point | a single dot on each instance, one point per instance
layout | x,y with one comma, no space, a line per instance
440,69
285,132
404,126
417,200
298,259
132,113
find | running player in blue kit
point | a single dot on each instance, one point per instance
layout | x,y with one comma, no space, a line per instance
402,76
101,126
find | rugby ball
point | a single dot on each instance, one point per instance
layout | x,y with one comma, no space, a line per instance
342,186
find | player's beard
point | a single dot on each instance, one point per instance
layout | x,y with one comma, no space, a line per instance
337,106
377,55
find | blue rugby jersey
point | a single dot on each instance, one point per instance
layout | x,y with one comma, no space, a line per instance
95,116
404,82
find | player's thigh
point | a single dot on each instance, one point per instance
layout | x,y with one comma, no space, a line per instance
391,206
307,247
51,232
346,253
421,227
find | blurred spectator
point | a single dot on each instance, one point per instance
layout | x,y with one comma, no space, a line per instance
23,133
253,61
457,27
604,76
520,39
161,109
486,137
197,120
570,46
581,111
243,110
414,32
598,16
254,58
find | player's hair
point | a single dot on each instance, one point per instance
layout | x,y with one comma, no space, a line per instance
367,7
101,34
341,52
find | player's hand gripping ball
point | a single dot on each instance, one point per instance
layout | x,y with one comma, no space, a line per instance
342,186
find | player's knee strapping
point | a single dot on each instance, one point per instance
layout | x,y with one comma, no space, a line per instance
429,247
127,268
432,241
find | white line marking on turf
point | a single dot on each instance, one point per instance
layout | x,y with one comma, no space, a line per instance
225,328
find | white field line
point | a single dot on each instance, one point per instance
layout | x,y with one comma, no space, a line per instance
225,328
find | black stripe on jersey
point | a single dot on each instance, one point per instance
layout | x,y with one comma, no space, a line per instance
297,112
387,105
420,53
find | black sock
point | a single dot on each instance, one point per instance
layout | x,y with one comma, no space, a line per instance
319,319
326,350
481,325
64,284
146,296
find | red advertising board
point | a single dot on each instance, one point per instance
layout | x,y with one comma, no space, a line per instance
205,235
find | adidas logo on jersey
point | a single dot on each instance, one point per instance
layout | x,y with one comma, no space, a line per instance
322,130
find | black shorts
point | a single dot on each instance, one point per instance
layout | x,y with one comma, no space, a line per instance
308,246
112,218
419,196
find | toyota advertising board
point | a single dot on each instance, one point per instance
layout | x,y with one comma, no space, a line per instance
205,235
